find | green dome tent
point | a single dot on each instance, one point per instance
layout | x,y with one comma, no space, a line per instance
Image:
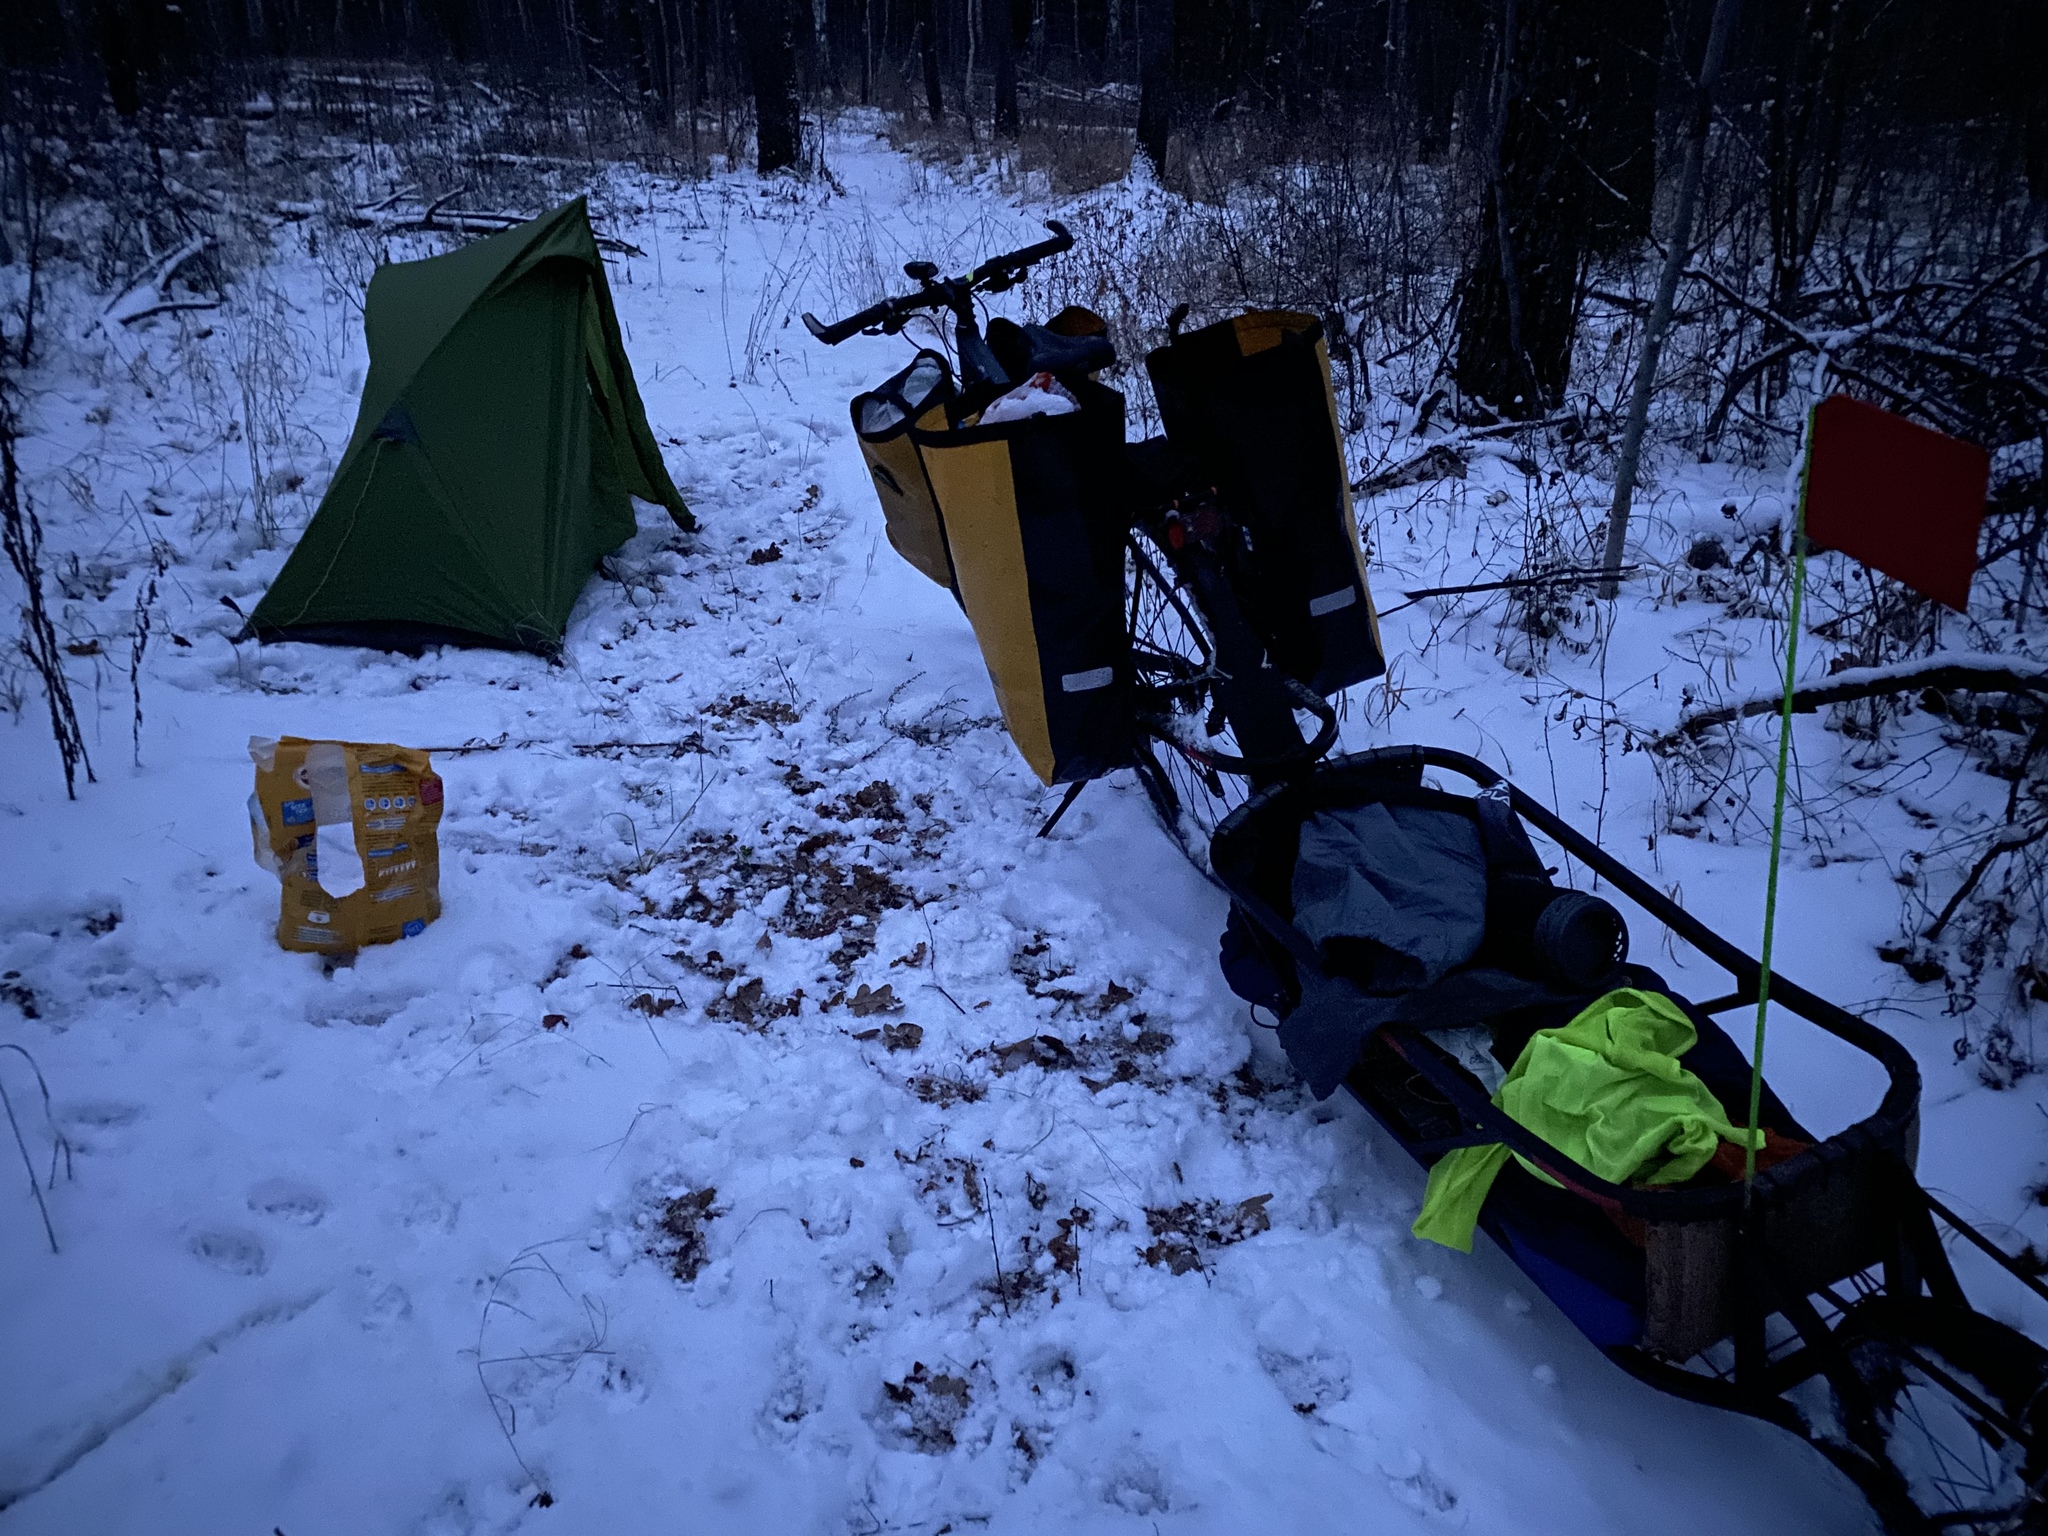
499,437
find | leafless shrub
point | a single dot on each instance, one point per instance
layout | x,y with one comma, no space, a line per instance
23,536
60,1145
138,646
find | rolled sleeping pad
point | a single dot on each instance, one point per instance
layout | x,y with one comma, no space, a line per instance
1549,933
1251,400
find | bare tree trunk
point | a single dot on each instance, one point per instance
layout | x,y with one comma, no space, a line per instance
928,56
769,32
867,52
1675,258
1155,80
1803,122
997,20
971,15
1519,308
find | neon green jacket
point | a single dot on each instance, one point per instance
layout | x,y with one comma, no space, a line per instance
1607,1090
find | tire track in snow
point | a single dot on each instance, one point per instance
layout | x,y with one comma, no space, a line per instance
144,1391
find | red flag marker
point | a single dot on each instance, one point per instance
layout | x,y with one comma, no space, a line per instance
1903,499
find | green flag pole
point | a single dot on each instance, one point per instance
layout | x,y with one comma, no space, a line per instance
1763,984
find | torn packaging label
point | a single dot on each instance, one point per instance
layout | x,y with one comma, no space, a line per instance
350,830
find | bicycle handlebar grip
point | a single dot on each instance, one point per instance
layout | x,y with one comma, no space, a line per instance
839,330
1062,240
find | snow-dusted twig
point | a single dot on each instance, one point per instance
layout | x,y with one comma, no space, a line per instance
138,647
532,1260
60,1147
1973,671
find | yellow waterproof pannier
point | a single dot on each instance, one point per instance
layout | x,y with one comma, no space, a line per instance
882,420
1033,512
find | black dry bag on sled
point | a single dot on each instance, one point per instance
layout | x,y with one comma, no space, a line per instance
1250,401
1033,516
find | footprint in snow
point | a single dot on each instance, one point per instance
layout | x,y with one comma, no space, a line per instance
1410,1481
389,1307
1136,1485
1310,1382
103,1115
237,1253
288,1200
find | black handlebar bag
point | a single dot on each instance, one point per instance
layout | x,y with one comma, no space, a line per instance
882,421
1250,400
1033,515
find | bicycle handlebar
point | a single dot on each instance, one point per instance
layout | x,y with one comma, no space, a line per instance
992,276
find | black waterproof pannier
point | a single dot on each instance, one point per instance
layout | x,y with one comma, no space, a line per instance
1033,512
1250,401
882,421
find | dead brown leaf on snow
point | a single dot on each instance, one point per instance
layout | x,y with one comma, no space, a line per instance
1184,1235
873,1000
898,1037
679,1240
873,801
1046,1051
749,1006
946,1089
759,711
951,1186
925,1407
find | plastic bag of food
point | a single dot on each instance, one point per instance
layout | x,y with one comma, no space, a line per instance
1039,395
350,830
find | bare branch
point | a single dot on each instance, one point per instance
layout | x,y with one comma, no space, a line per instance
1972,672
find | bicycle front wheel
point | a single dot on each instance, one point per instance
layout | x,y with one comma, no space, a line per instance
1184,733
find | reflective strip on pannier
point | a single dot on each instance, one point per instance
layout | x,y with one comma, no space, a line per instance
1250,400
1033,516
882,420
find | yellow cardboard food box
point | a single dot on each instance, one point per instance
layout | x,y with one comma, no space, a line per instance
351,830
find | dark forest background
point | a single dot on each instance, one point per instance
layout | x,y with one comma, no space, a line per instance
1558,120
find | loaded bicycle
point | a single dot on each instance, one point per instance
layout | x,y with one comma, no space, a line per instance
1154,605
1184,606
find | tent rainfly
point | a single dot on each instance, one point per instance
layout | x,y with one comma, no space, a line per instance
499,438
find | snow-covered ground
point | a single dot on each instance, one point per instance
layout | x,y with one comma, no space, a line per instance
597,1208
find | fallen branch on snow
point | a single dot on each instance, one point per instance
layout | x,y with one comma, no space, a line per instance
151,294
1569,576
389,218
1970,671
1441,460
